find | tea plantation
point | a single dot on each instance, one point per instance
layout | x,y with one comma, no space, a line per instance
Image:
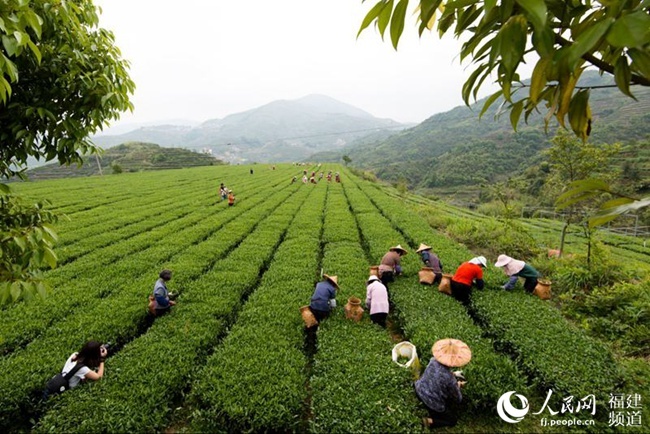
232,356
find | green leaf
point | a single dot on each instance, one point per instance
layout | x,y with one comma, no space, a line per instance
581,190
515,114
543,41
5,292
21,242
372,15
384,18
610,213
538,79
640,61
512,52
631,30
15,290
588,40
50,257
535,11
623,76
489,101
469,84
397,22
580,114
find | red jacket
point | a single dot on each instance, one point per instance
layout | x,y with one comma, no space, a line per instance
467,272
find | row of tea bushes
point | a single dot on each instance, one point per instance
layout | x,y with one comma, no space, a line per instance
552,351
355,385
255,381
121,316
427,316
174,348
131,258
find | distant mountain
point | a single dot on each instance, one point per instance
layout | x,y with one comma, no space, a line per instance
128,157
455,151
123,128
279,131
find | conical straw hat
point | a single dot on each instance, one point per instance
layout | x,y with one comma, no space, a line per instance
332,279
422,247
451,352
399,247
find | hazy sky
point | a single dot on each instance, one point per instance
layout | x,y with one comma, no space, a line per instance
206,59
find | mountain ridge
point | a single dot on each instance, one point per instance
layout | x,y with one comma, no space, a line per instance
282,130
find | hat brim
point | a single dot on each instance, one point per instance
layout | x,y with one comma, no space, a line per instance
423,248
334,282
451,352
502,262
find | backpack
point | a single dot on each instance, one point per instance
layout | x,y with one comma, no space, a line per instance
60,383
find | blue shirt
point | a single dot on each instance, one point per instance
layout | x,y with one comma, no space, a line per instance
161,294
323,293
437,387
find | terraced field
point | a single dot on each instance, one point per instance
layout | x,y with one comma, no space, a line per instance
233,356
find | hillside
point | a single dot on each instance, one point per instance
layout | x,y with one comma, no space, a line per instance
285,130
129,157
455,149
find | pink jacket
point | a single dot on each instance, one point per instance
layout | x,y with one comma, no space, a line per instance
377,297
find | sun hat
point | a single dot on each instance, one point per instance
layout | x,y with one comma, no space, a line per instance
399,247
422,247
372,278
451,352
332,279
479,260
510,266
502,260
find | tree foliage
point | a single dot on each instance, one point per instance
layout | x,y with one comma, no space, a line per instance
26,242
61,79
566,36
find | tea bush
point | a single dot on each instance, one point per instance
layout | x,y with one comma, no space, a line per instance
255,379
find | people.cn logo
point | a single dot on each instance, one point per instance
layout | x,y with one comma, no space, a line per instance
510,413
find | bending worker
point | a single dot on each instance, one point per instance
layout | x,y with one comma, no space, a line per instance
377,300
390,264
468,274
515,269
324,297
430,260
439,388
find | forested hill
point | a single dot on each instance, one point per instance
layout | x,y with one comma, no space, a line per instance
129,157
455,149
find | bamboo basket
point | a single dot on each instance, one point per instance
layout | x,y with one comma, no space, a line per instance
353,309
445,284
308,317
374,270
543,289
427,276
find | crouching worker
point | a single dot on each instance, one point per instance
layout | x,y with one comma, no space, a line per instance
377,300
439,388
160,302
324,297
390,264
468,274
515,269
79,367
